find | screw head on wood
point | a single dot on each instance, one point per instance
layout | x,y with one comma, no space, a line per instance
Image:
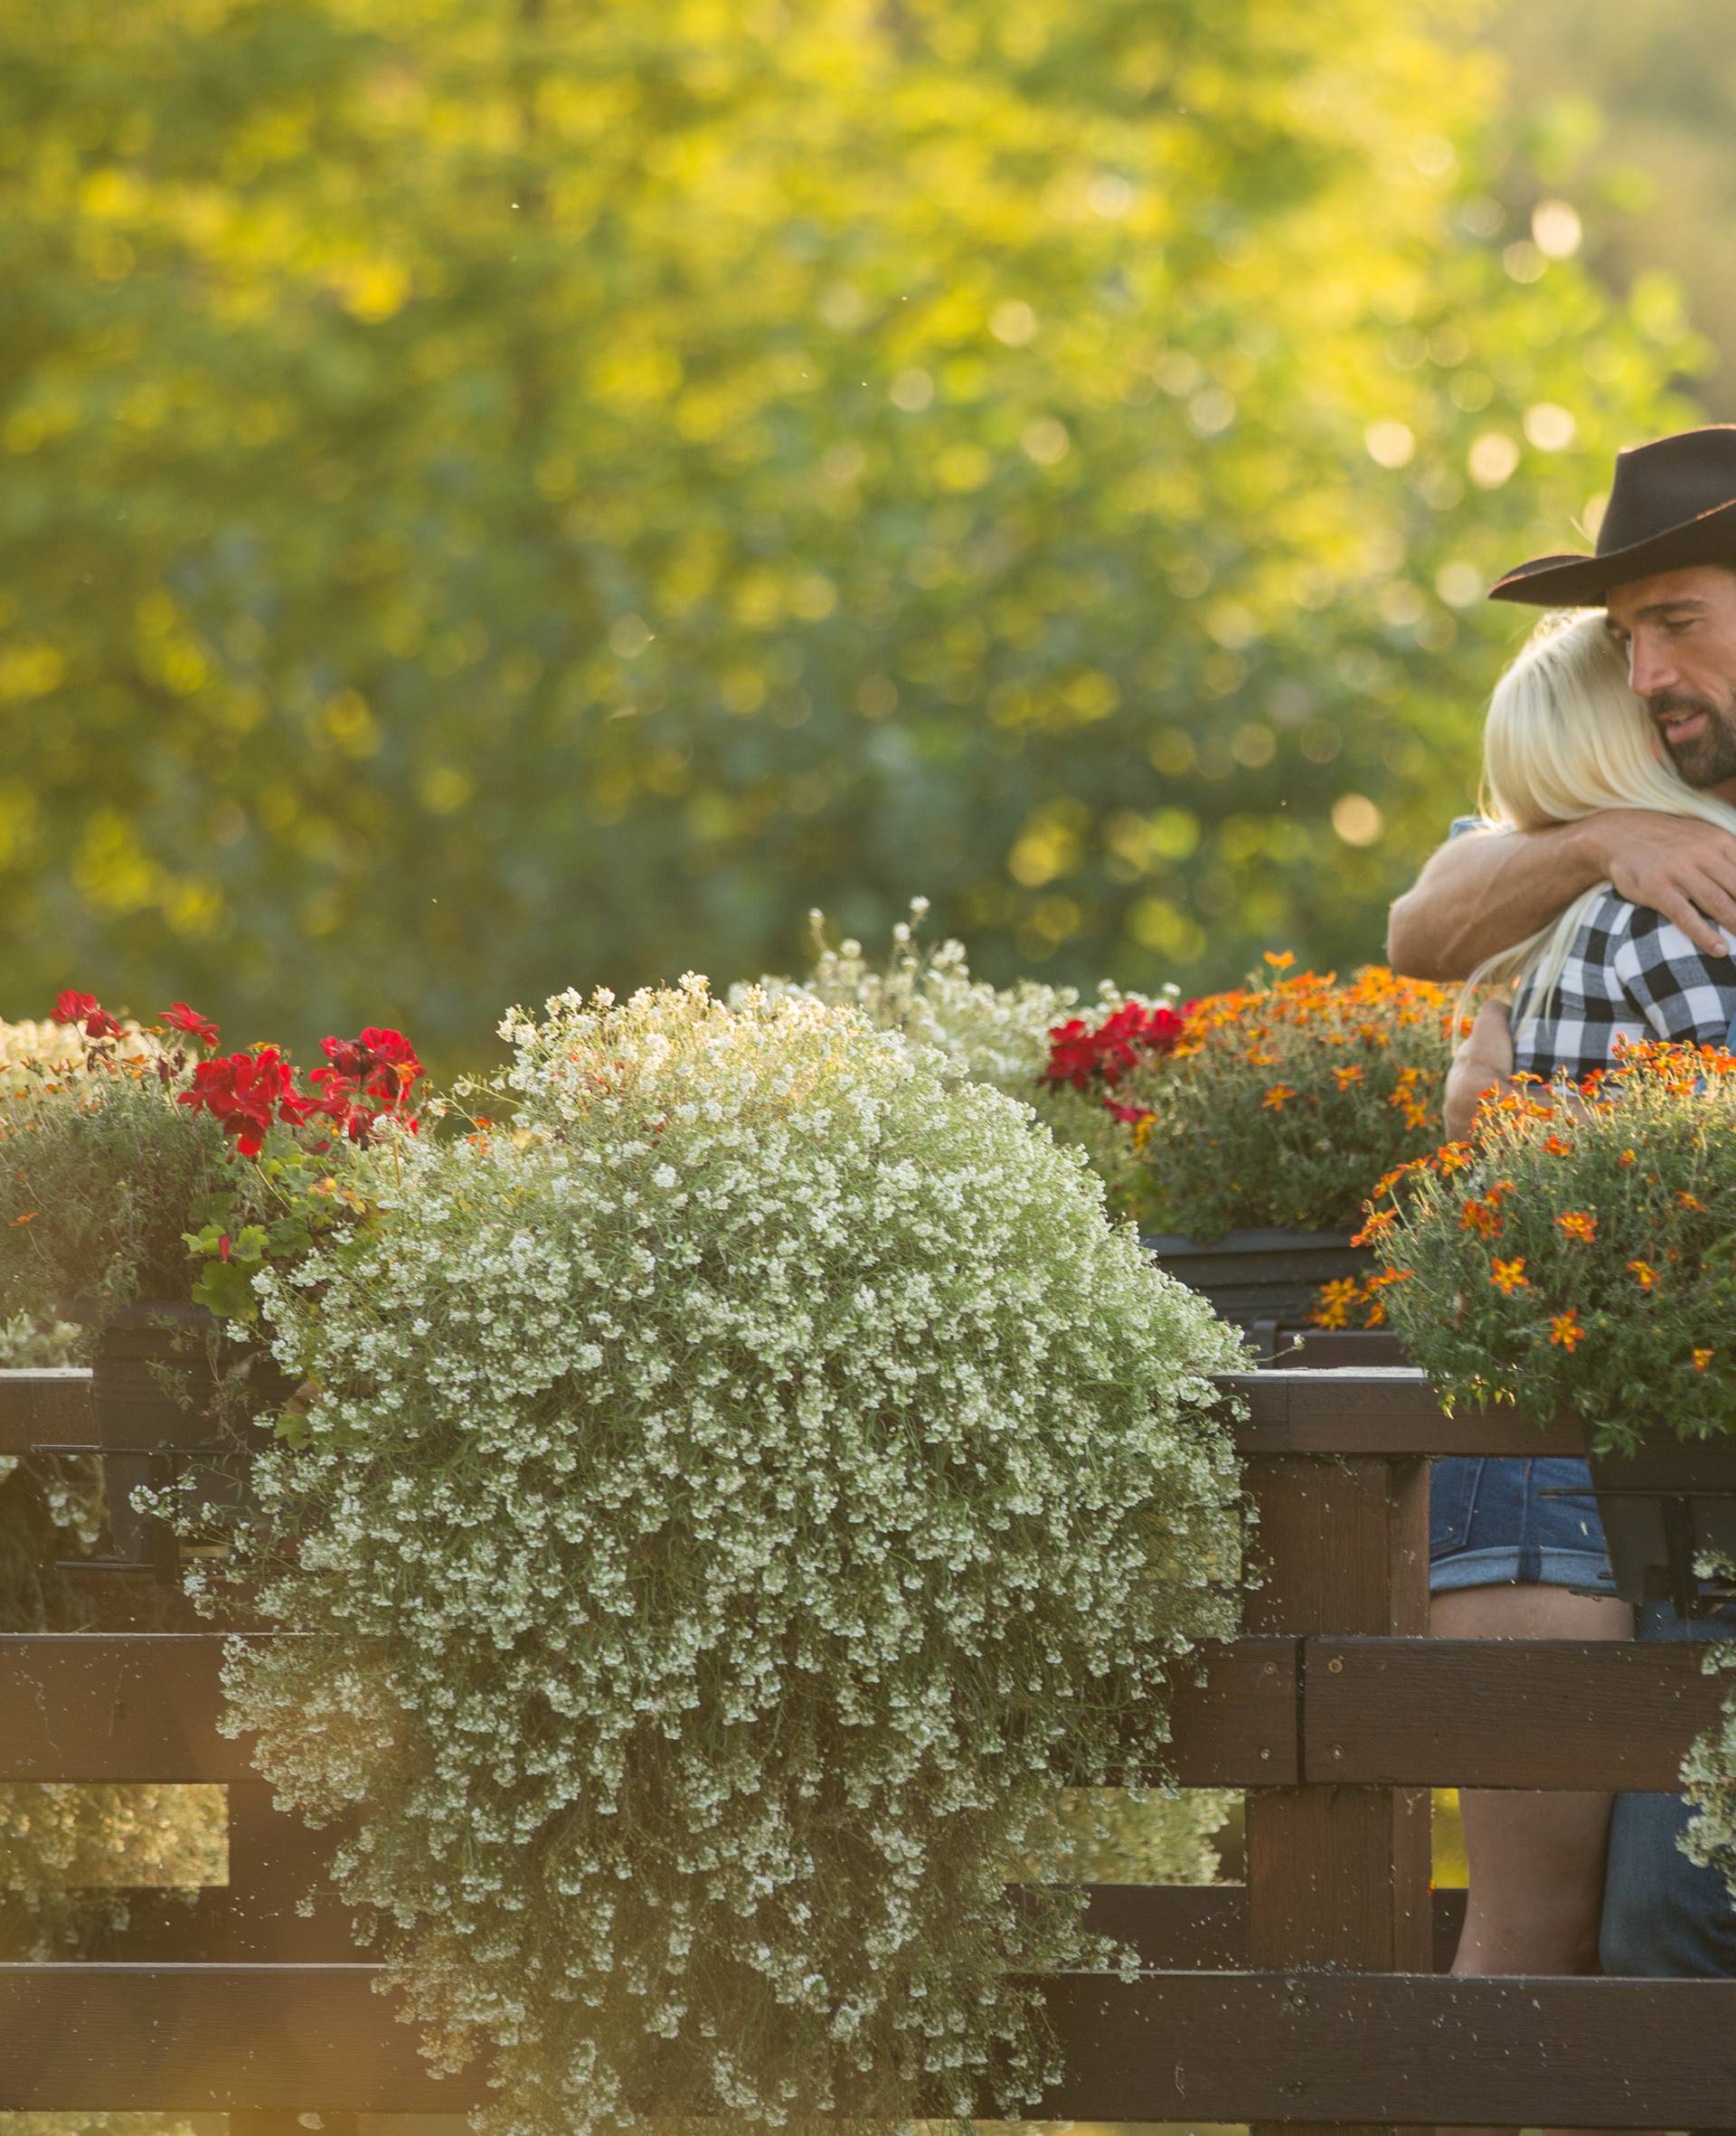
1336,1667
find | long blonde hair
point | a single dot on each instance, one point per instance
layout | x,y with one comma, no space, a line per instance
1566,737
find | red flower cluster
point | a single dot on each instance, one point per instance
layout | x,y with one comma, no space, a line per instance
1131,1037
246,1093
366,1079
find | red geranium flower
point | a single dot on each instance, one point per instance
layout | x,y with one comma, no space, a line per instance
83,1008
1081,1056
365,1079
190,1021
246,1093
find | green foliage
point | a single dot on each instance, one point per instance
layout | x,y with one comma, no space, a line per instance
100,1182
744,1477
499,492
1581,1257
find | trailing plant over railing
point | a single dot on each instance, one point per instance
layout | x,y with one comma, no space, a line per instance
747,1467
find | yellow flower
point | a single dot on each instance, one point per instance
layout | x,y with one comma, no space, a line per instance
1644,1275
1509,1276
1702,1358
1579,1224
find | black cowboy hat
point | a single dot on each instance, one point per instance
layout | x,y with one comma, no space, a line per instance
1673,504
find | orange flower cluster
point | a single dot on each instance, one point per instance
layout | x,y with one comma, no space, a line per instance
1282,1099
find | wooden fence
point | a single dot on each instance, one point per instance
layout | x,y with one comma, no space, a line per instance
1311,1995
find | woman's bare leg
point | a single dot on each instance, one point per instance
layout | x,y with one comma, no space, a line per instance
1536,1860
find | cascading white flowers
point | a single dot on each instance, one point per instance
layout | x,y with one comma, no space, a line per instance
747,1468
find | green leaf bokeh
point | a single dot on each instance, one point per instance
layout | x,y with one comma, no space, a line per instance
501,495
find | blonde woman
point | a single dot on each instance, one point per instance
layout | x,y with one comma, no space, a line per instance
1510,1559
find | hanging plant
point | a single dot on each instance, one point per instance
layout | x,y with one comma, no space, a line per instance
749,1475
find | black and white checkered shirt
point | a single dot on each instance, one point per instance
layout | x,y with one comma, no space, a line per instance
1630,974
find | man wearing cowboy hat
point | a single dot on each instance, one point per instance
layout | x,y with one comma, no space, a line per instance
1664,573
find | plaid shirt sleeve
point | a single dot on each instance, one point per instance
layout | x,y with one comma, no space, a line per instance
1681,991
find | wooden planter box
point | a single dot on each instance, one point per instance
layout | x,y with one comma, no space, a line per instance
1252,1276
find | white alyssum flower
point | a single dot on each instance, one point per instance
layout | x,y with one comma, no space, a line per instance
748,1478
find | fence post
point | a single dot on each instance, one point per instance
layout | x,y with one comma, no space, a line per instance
1339,1876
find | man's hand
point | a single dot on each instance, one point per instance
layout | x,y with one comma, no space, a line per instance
1483,1063
1674,864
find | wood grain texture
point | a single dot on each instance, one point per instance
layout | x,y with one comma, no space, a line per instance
1505,1712
145,1706
52,1404
1201,2046
1362,1409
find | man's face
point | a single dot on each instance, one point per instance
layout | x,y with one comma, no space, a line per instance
1678,630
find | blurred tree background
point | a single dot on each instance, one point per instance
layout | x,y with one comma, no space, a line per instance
509,493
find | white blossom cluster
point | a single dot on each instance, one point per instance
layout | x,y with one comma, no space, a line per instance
995,1035
745,1473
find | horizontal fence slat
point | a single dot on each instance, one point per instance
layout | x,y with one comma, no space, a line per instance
144,1706
1377,1410
1237,1726
1171,1928
1185,2046
115,1705
1505,1712
50,1404
1398,2048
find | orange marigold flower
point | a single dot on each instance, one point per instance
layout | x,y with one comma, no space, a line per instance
1702,1358
1565,1329
1280,959
1644,1275
1277,1098
1483,1217
1509,1276
1626,1158
1556,1147
1380,1222
1686,1200
1453,1156
1579,1224
1336,1299
1344,1077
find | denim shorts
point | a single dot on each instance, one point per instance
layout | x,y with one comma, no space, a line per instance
1492,1523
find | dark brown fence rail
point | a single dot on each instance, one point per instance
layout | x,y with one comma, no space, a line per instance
1309,1996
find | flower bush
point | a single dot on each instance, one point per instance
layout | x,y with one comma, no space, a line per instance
1274,1106
128,1169
748,1474
1579,1256
1005,1036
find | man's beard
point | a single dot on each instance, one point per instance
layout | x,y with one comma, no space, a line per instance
1707,759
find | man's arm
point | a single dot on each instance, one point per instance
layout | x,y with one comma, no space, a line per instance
1485,891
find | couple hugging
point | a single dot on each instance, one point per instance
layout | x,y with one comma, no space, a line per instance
1601,891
